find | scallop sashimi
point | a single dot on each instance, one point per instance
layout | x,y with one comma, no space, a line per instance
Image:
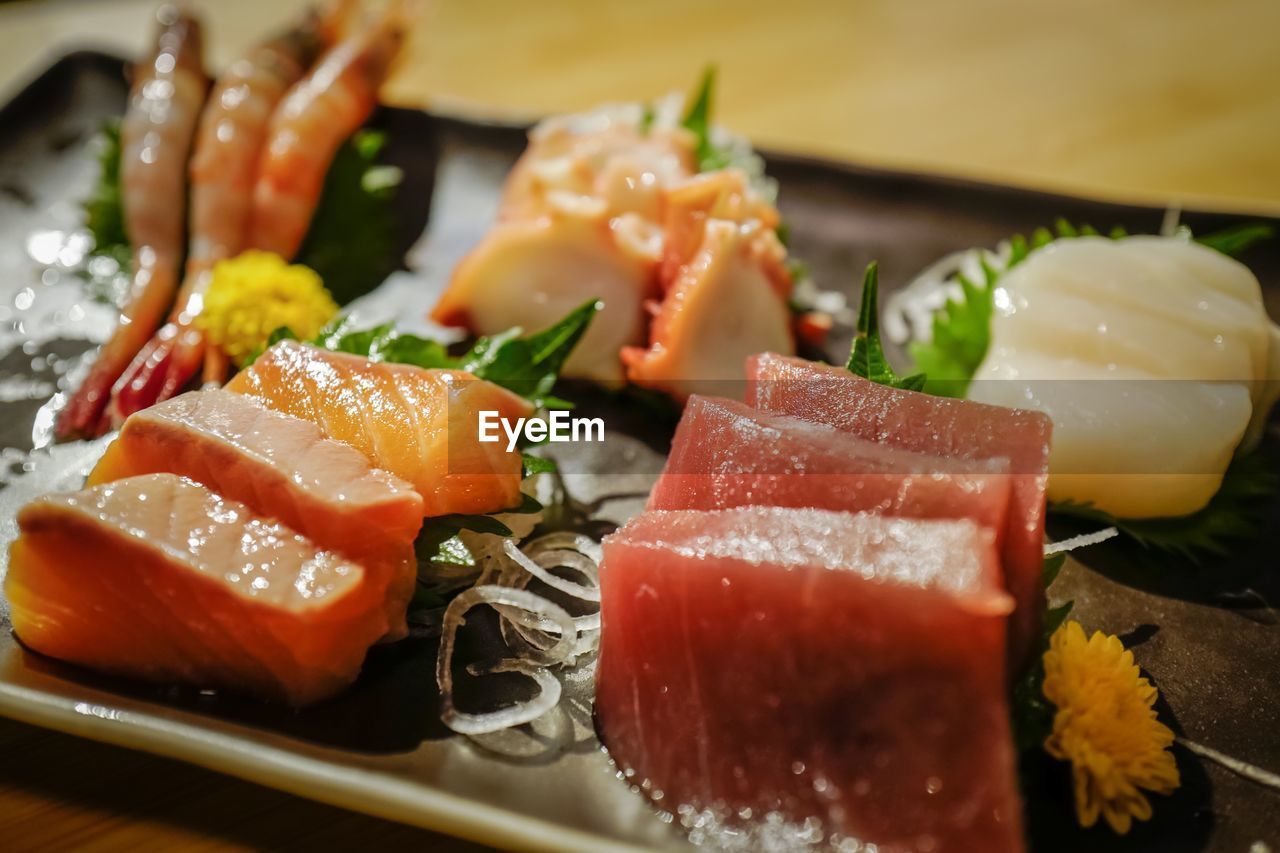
421,425
924,423
281,467
726,454
843,667
1153,355
157,578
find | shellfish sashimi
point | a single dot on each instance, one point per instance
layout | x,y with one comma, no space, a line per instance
531,273
421,425
281,467
580,218
940,426
1183,332
157,578
843,667
597,160
725,287
726,454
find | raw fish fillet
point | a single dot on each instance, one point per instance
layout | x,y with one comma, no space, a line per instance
958,429
281,467
846,667
157,578
421,425
726,454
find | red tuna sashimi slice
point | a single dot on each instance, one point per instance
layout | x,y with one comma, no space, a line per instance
157,578
942,426
281,467
726,454
847,667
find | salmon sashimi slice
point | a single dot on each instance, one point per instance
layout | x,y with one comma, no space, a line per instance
419,424
842,667
281,467
942,426
158,578
726,454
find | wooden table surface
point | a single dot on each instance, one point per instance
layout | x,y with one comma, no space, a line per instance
1176,101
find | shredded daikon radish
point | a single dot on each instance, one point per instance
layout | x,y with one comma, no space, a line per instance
908,314
1080,541
567,587
539,633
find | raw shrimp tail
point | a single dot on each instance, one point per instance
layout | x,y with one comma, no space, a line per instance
216,366
309,125
156,135
140,380
222,172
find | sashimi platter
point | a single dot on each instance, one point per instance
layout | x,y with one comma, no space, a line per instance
607,484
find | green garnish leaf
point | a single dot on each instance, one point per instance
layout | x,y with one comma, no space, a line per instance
697,120
1031,713
1054,617
647,117
528,365
440,541
538,465
104,210
1052,567
1234,513
867,358
1235,240
105,268
351,241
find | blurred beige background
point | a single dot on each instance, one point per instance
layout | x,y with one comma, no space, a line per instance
1151,100
1156,100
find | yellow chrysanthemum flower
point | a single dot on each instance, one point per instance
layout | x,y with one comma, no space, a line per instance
252,295
1106,727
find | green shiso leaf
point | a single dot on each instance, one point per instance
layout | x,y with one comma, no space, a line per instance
1234,513
867,357
697,120
538,465
1030,711
1235,240
647,117
528,365
104,211
435,540
106,266
351,241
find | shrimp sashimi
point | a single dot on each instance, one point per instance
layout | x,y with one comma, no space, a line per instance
313,120
223,169
159,125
